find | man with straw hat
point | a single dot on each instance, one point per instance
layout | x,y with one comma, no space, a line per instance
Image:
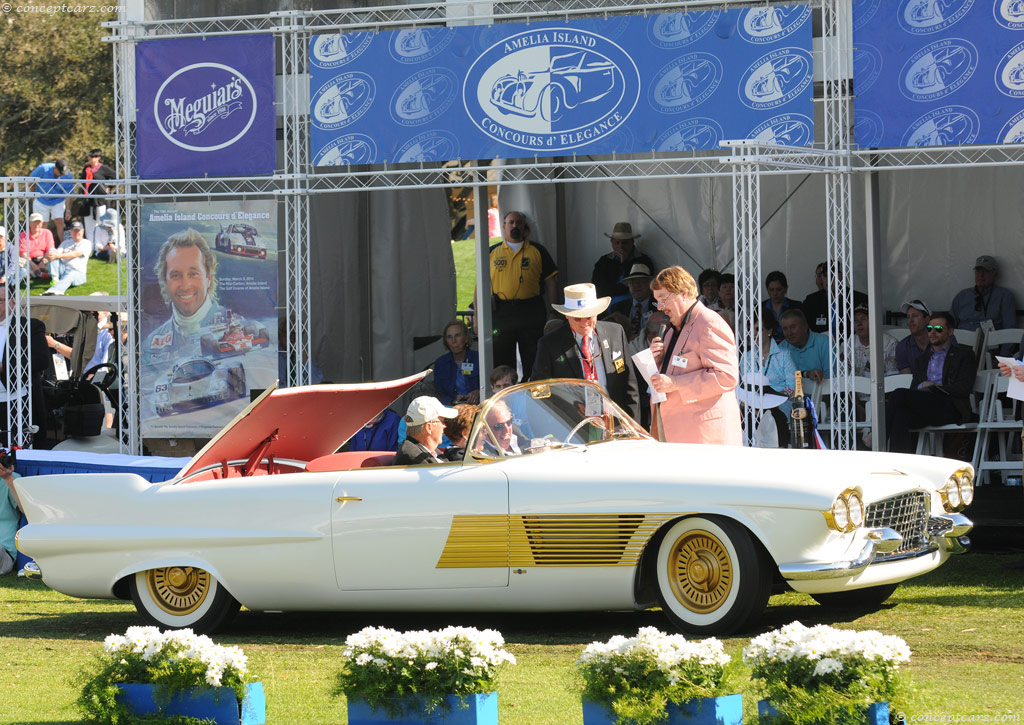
612,268
588,349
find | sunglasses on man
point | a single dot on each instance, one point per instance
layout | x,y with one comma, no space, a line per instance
935,328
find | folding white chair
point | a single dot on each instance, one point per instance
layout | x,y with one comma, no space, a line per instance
996,422
823,403
894,382
897,333
972,338
991,343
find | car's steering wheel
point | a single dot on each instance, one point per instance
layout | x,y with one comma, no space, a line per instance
108,379
576,428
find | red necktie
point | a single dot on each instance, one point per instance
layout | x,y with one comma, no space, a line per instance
589,369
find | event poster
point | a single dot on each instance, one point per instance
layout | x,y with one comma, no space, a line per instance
627,84
205,107
930,73
208,313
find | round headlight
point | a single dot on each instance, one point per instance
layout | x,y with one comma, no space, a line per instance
966,488
856,507
841,514
953,492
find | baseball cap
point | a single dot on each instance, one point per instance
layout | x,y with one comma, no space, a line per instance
425,409
35,217
3,232
860,308
917,305
988,262
76,225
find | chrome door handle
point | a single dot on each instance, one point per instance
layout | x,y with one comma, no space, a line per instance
341,499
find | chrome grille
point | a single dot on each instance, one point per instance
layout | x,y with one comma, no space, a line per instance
907,514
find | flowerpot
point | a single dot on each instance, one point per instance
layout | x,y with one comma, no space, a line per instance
482,710
206,703
877,714
725,710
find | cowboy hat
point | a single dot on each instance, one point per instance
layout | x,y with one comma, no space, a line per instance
622,230
581,300
638,271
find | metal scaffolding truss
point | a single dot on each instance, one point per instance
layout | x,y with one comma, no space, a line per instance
744,163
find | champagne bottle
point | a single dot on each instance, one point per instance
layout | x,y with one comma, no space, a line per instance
800,417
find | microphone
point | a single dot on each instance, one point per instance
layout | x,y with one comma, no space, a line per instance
662,329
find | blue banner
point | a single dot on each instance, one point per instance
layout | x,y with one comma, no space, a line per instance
636,84
938,72
205,107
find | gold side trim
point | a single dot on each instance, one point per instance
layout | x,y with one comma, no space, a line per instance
613,539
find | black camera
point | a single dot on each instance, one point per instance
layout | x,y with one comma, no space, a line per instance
8,457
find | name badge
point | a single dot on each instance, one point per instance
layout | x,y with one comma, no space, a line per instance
467,368
619,365
679,361
820,321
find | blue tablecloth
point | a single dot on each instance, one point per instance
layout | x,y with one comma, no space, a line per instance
44,463
152,468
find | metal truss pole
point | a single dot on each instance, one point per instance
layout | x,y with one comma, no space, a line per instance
294,41
746,210
17,380
837,42
130,399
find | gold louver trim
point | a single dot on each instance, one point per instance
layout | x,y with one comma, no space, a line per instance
549,540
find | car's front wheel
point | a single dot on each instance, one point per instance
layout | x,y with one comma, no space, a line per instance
182,596
866,598
712,576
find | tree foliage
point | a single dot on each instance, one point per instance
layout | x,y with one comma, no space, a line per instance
56,91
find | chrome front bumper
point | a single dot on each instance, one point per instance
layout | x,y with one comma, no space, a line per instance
947,533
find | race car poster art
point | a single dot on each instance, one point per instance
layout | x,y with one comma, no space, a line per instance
209,313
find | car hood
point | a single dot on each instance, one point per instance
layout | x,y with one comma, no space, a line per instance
301,423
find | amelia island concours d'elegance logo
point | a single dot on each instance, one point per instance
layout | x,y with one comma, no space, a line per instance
1010,72
938,69
1009,13
930,16
772,24
343,100
207,121
337,49
551,89
776,78
946,126
676,30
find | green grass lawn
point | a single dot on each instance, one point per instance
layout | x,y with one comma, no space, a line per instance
464,253
101,277
963,623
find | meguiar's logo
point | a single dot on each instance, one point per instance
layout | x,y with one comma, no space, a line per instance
207,121
551,89
938,69
946,126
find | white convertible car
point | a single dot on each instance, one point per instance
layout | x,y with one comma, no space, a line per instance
592,515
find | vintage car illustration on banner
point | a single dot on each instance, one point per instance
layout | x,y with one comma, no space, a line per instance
590,513
241,239
231,334
199,384
570,80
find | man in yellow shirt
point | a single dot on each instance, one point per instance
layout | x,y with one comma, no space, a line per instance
522,275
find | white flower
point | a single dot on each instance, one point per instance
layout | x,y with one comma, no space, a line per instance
826,666
430,666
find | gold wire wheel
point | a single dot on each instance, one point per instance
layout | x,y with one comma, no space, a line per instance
178,590
700,571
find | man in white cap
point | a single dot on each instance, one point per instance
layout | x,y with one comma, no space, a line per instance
423,432
588,349
109,244
611,268
640,305
913,345
69,262
985,300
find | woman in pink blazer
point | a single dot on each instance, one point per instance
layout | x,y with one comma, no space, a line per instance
698,365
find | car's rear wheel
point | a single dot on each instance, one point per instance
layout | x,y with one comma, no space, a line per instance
866,598
182,596
712,576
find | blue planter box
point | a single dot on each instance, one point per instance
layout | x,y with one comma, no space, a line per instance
877,714
482,710
209,703
725,710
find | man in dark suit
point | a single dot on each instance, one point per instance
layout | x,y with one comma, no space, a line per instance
588,349
34,347
941,388
640,305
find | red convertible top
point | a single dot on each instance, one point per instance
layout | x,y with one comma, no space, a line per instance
300,423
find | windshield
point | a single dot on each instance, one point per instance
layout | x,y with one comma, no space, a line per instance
539,416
